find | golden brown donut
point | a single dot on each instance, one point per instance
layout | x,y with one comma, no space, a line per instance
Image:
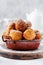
5,36
38,35
11,26
29,34
20,25
29,24
15,35
5,33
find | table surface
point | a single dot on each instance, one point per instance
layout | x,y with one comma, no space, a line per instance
5,61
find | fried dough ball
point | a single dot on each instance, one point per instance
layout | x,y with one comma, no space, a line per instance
29,24
5,36
11,26
5,33
29,34
20,25
15,35
38,35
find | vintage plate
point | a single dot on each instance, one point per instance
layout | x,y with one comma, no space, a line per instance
22,55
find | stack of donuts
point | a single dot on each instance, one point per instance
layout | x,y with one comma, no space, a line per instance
21,30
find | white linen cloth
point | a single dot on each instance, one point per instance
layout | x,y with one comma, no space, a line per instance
5,61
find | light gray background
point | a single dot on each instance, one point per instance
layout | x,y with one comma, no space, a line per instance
15,9
18,8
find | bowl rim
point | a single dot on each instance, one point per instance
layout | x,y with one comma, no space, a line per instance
36,40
